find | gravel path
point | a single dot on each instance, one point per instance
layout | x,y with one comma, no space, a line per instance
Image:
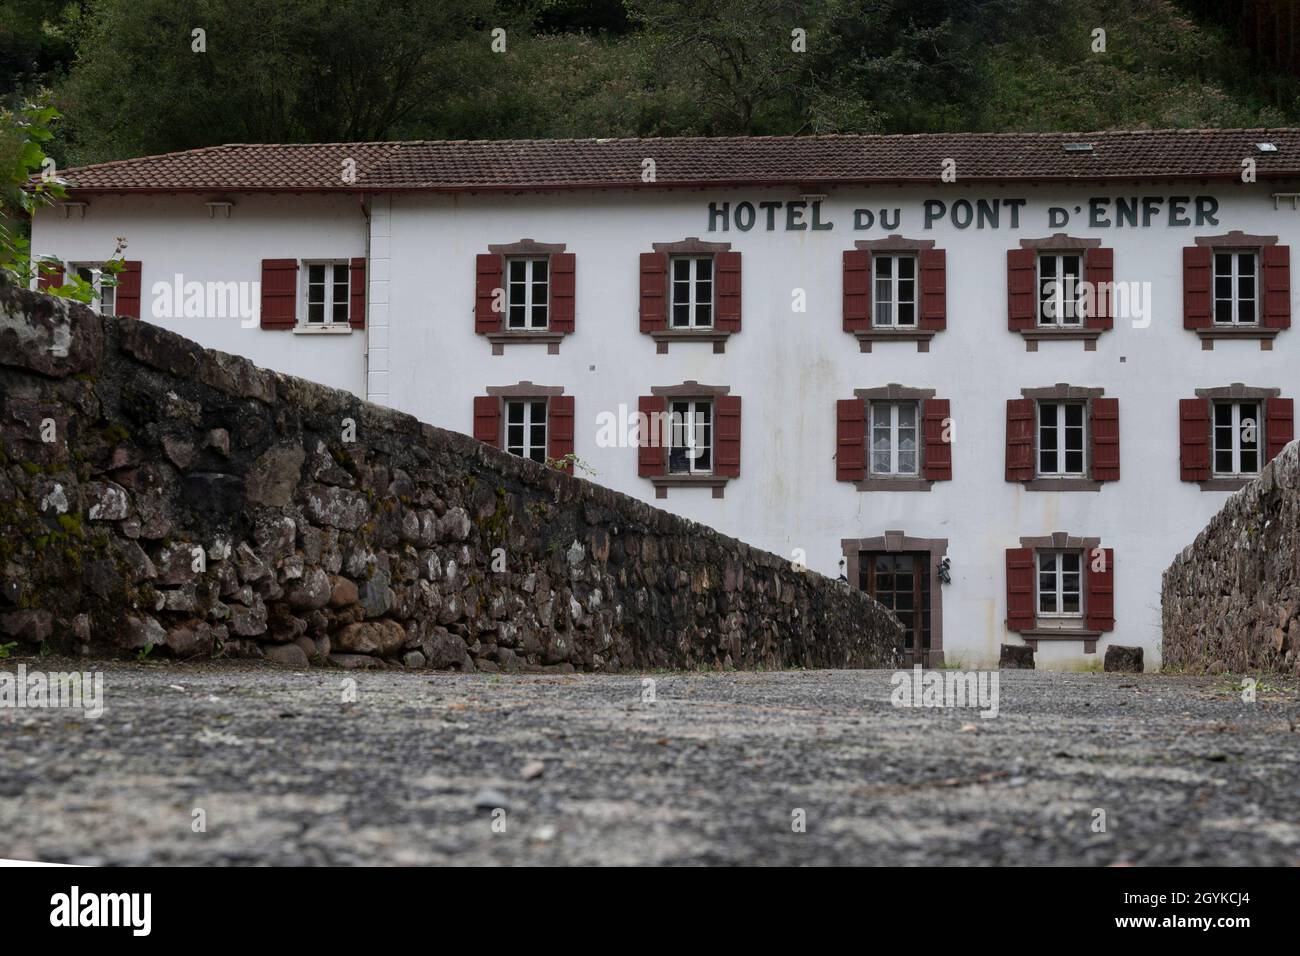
710,772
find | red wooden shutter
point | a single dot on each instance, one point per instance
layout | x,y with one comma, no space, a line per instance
654,287
850,439
279,293
1276,261
1196,287
1099,272
487,420
487,284
1105,439
726,273
49,275
934,289
1020,589
1101,589
357,293
1279,424
559,428
726,454
857,290
1021,413
563,286
1194,438
652,457
128,290
1022,289
938,453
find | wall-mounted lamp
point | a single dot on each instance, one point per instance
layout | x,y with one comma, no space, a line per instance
944,566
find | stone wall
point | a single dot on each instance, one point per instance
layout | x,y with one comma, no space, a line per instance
159,497
1231,600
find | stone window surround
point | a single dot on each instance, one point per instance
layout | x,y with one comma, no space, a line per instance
690,246
1238,240
1060,541
1236,392
894,392
523,390
691,389
1060,242
1065,393
552,340
922,337
894,541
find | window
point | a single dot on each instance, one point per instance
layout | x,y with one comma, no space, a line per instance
1060,584
526,428
1061,439
1235,288
691,448
893,438
527,293
105,300
692,281
1060,277
1236,438
327,293
894,290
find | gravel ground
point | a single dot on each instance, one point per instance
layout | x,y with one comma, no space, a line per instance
711,772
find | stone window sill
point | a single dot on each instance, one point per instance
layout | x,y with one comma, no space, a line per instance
718,338
341,329
551,340
664,482
1226,484
1088,636
1087,336
893,484
1264,335
866,338
1062,484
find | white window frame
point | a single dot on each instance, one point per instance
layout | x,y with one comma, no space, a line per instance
530,268
692,433
1237,409
304,311
1235,275
1060,320
892,283
895,430
528,446
693,299
96,280
1062,432
1058,590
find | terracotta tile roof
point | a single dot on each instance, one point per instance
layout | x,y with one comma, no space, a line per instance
459,166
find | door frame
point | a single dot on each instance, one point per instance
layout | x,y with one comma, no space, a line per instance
896,541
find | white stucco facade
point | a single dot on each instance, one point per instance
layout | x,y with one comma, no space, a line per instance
420,353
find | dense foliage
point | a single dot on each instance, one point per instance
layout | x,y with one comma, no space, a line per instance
133,76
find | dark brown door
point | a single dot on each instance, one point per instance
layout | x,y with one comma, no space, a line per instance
901,582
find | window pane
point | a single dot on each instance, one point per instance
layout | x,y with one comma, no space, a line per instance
704,270
906,267
884,266
703,314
